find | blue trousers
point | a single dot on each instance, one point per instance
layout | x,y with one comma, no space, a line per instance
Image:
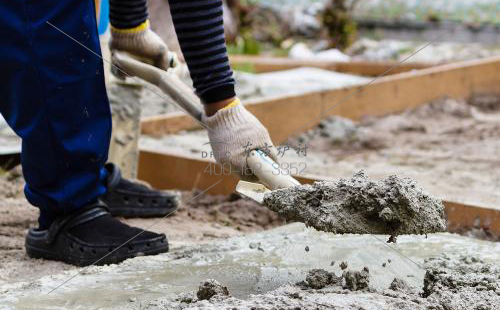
52,94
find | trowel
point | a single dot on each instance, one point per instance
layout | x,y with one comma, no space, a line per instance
267,172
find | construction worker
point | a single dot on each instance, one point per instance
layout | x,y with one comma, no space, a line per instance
53,96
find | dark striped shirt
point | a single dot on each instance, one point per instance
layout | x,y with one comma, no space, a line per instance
125,14
200,30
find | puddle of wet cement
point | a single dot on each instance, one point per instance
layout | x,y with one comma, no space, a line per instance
245,269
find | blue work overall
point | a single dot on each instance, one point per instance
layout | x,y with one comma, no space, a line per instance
52,94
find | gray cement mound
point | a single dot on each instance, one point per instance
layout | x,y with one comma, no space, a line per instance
356,280
359,205
465,282
352,280
400,285
320,278
211,288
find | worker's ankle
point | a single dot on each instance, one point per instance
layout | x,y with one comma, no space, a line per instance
46,219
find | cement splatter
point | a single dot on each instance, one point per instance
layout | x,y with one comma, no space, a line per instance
400,285
356,280
126,114
353,280
359,205
320,278
210,288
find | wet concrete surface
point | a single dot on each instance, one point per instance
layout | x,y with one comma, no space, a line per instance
279,259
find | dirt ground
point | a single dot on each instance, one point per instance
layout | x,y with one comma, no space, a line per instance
204,219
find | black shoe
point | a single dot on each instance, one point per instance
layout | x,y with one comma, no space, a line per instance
90,236
129,199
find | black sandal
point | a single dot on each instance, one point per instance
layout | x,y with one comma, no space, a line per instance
130,199
90,236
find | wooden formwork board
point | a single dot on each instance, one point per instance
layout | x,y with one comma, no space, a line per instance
284,115
260,64
461,215
171,171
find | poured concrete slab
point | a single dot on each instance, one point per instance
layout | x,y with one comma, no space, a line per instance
290,82
247,265
262,85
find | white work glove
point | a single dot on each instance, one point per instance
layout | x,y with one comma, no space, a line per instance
144,44
241,132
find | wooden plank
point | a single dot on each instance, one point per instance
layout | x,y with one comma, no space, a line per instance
158,125
282,116
175,171
171,171
368,68
260,64
463,216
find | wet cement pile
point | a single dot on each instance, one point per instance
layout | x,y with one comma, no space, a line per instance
352,280
359,205
457,283
465,282
211,288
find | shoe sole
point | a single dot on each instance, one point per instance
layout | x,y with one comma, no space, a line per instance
36,252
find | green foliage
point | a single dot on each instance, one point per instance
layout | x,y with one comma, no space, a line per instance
433,16
340,26
244,67
244,44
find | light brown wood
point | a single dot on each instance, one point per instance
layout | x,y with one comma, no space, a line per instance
463,216
389,94
170,171
260,64
158,125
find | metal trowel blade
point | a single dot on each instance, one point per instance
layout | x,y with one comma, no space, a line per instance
254,191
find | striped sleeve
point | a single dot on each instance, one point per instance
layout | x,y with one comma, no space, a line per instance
126,14
200,30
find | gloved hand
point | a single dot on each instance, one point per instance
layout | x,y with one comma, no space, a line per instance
241,133
143,43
